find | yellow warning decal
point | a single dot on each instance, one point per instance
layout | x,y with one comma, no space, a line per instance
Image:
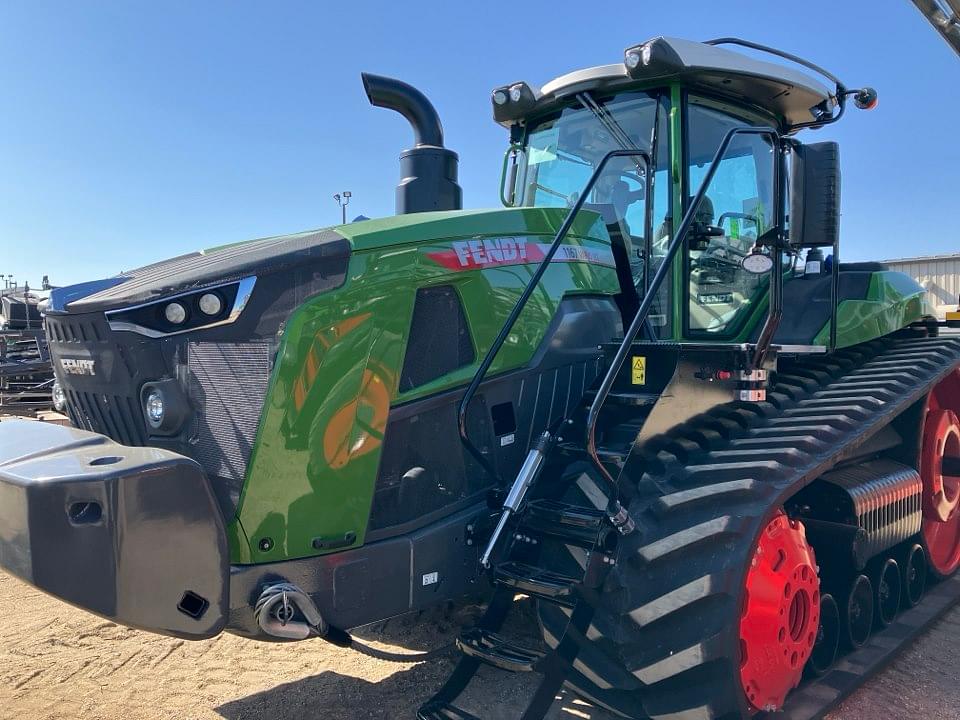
638,372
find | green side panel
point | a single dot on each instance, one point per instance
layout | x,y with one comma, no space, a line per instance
893,301
314,466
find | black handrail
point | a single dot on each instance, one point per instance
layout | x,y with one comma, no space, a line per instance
631,334
522,301
834,294
840,89
775,305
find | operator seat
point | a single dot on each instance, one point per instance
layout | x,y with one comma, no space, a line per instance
628,301
704,214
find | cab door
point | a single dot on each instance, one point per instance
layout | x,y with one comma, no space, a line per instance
739,206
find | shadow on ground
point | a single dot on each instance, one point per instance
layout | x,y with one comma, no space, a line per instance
493,695
330,696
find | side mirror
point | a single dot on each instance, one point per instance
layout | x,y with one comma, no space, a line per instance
815,195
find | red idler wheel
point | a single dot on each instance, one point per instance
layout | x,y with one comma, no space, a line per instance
940,531
781,613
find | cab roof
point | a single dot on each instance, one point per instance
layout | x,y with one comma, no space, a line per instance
783,91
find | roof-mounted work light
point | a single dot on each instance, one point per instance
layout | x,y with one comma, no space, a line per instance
512,102
651,59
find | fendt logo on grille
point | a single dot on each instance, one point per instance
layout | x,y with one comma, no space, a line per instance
75,366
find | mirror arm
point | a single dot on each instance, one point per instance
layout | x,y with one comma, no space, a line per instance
772,238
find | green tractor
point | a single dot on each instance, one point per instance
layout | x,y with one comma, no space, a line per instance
645,393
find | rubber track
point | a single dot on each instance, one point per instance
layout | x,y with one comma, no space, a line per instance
665,643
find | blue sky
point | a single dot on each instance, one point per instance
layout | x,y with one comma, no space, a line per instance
134,131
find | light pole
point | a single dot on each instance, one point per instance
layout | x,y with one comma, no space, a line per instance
343,199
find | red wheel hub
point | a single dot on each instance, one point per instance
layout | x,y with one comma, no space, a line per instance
941,493
781,613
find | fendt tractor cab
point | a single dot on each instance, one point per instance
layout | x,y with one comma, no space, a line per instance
645,393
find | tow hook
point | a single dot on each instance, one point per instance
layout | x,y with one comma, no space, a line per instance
277,608
276,612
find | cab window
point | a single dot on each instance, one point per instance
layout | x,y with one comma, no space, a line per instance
562,152
739,205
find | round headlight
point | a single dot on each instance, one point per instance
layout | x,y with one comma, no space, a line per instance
516,92
154,408
500,97
632,59
210,304
59,397
175,313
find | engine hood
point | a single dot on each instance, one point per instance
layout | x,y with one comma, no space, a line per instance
267,256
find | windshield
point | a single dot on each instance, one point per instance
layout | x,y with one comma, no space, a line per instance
563,151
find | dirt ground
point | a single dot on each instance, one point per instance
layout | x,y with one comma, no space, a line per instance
60,663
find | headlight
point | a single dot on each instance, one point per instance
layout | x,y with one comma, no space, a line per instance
210,304
194,310
59,397
154,407
175,313
165,407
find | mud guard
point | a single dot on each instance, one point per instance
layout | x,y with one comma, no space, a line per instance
132,534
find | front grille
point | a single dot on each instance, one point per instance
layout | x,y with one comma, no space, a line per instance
104,405
116,416
71,329
227,386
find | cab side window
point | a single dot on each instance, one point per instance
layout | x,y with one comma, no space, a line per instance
738,207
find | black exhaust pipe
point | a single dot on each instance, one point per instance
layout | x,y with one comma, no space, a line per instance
428,170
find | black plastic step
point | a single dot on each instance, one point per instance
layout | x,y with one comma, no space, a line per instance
606,454
537,582
443,711
626,398
622,398
492,649
584,527
627,425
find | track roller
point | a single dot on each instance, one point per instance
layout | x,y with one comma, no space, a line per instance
828,638
857,615
913,567
887,584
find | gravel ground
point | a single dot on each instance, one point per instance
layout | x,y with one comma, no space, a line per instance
59,663
920,684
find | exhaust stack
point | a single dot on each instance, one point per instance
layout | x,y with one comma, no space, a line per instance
428,170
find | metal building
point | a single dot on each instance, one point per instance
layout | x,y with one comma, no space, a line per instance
939,274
